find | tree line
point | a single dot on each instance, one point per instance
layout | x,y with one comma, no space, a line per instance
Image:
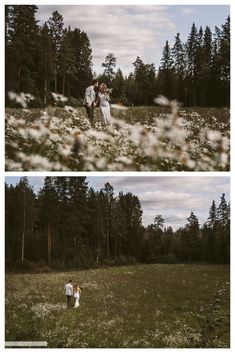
70,225
54,58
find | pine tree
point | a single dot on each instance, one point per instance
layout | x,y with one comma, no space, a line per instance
45,67
61,187
83,62
77,220
67,61
22,49
49,216
108,193
191,49
118,85
131,90
119,228
96,226
199,59
192,242
223,211
133,213
55,24
109,65
215,77
159,221
210,234
178,55
144,75
225,62
212,218
166,72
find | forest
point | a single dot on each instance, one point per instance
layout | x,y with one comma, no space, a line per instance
41,59
69,225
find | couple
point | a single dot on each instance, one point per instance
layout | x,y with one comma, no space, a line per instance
70,292
96,95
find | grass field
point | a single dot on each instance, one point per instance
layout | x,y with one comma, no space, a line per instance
133,306
137,139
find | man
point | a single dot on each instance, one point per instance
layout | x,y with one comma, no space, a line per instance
90,99
69,292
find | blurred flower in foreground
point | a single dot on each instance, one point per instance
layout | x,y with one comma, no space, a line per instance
77,144
118,107
23,98
59,97
59,138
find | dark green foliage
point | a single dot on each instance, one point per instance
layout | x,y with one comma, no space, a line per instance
51,58
22,38
55,24
41,60
109,66
68,225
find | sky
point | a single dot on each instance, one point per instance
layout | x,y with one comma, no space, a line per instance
132,30
172,197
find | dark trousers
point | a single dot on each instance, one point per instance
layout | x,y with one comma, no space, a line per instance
69,299
90,112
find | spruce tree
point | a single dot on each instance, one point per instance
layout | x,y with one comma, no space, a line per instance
56,25
22,49
166,72
178,55
109,65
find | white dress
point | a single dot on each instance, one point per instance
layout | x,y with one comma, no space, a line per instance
76,297
105,106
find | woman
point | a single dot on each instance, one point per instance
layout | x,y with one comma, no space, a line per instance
104,99
76,294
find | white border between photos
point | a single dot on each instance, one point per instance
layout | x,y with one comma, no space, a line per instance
138,174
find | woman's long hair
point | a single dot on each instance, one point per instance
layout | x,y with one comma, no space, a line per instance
102,88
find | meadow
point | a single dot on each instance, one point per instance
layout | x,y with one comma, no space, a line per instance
140,306
156,138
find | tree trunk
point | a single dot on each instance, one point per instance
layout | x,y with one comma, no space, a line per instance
63,252
55,76
75,251
23,234
45,91
115,247
55,82
194,98
97,249
63,89
49,242
18,84
107,241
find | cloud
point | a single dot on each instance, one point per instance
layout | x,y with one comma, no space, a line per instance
172,197
125,30
36,182
188,11
163,197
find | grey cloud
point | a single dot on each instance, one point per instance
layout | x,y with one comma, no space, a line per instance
188,11
127,31
172,197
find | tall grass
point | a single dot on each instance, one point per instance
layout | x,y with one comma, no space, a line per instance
141,306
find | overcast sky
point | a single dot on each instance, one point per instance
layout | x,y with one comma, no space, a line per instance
172,197
131,30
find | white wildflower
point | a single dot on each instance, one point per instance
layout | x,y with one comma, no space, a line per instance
70,109
162,100
118,107
59,97
213,135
